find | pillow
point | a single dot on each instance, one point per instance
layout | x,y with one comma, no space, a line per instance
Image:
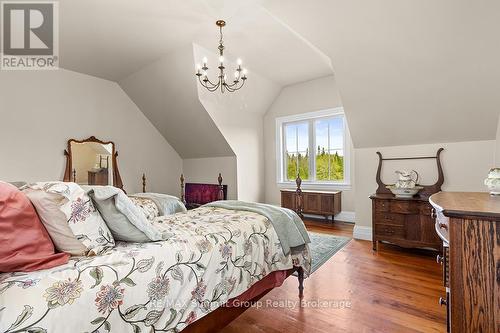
19,185
25,245
69,215
167,204
146,206
123,218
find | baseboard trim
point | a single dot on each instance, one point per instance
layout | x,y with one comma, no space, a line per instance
360,232
344,216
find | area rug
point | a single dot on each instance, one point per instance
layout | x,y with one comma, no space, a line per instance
323,247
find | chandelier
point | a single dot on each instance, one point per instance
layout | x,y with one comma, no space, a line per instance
240,75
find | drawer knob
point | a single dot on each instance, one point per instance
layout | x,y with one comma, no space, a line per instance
442,301
433,213
439,259
443,225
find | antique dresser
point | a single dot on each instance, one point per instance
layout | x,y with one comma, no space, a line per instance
405,221
468,224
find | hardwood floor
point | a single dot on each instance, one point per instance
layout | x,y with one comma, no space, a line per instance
394,290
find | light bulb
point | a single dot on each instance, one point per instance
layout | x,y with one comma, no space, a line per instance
236,74
221,59
245,71
205,60
225,77
239,62
198,67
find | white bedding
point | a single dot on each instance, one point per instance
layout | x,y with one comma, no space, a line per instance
211,255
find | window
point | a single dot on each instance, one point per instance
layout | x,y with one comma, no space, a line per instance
313,145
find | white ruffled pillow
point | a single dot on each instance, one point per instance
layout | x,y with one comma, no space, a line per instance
70,218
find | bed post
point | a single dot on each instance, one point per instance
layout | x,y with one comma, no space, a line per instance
220,193
183,197
143,183
300,276
298,196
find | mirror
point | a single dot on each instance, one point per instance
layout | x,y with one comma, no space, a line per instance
92,162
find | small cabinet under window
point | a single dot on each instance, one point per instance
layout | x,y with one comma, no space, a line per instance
314,202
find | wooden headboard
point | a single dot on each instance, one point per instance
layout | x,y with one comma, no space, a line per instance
219,187
197,194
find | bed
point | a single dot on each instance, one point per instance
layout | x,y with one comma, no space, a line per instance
211,256
197,278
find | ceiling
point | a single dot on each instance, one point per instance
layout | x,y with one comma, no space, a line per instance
114,38
408,71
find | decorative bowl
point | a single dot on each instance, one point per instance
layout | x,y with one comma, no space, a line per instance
404,192
493,181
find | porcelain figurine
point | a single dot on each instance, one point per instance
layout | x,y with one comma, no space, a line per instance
493,181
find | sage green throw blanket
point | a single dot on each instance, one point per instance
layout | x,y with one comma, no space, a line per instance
291,230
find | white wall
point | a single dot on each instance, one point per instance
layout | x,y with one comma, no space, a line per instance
465,165
239,117
319,94
41,110
206,170
497,151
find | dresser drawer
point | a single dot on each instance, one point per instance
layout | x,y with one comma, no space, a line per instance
389,230
389,218
426,209
403,207
381,206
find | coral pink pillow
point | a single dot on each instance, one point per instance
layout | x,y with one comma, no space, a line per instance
25,245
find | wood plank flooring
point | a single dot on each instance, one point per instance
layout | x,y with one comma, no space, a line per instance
394,290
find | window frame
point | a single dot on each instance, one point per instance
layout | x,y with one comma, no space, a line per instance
310,118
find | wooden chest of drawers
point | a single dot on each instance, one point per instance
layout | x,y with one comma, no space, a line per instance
469,226
404,222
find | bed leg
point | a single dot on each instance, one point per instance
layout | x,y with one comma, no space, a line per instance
300,275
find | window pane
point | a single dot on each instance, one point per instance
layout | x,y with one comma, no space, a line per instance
329,149
297,150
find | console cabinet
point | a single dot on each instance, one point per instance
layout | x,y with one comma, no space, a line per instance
313,202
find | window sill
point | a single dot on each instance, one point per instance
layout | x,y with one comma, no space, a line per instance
316,186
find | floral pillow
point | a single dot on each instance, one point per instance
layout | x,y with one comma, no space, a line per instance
147,206
70,217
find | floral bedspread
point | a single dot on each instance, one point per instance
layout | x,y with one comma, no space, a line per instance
212,255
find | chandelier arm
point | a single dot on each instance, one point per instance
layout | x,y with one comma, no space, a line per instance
208,84
203,83
233,89
234,84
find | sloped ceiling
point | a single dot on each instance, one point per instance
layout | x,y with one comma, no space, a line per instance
168,96
409,72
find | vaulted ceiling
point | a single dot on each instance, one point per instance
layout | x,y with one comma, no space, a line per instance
408,71
114,38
